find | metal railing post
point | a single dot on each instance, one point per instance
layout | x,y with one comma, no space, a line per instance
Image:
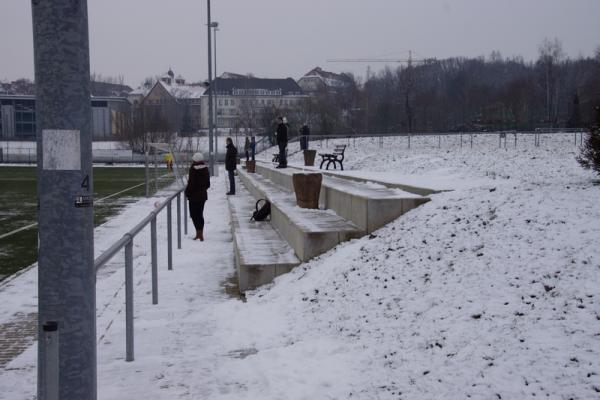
169,237
51,360
129,299
179,221
185,217
154,261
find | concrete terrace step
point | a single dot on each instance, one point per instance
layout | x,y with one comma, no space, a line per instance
261,254
369,206
309,232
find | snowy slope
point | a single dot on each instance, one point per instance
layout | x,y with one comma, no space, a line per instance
489,291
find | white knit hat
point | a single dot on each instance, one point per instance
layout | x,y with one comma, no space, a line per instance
197,157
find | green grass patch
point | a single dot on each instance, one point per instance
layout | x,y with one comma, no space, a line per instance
18,207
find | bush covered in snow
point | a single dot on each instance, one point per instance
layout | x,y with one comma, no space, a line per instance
589,157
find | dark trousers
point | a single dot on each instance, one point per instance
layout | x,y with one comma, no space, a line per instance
197,214
231,181
304,142
247,156
282,160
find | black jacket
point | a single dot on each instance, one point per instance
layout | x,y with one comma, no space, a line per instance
231,158
305,130
282,134
198,183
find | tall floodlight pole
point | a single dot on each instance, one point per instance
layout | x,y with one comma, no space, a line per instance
66,276
215,25
211,159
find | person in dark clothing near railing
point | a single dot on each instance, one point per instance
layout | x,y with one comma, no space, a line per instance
230,165
247,148
282,140
304,132
198,184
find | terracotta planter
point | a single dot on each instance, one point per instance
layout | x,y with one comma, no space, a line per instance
251,166
309,157
307,188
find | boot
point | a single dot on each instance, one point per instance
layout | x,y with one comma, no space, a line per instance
201,236
198,235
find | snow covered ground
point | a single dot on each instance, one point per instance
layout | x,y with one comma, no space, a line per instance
489,291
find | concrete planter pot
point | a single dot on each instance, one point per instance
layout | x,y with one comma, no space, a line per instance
309,157
307,188
251,166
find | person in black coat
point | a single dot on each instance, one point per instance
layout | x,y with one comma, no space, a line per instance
195,191
304,132
282,140
231,164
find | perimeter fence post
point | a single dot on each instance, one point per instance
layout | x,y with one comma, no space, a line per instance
179,221
471,140
129,299
169,237
154,260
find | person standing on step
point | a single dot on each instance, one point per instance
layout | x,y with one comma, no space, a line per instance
282,140
230,164
195,192
247,147
304,132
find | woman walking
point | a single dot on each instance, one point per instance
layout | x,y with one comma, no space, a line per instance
198,183
230,164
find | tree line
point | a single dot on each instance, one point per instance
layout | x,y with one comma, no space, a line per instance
466,94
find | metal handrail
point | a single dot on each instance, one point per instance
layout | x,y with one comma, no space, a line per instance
126,242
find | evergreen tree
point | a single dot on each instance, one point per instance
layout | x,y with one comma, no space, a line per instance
589,156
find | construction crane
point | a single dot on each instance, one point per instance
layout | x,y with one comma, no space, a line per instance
409,61
410,81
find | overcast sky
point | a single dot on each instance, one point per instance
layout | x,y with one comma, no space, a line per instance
281,38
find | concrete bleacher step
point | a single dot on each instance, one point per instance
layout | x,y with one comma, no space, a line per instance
261,254
368,206
309,232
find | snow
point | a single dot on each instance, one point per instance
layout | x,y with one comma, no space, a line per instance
486,292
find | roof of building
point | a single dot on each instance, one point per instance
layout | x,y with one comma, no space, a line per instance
184,91
109,89
232,75
287,86
330,79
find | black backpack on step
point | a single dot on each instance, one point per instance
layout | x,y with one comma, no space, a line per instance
263,212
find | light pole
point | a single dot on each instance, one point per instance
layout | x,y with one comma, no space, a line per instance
65,190
211,159
215,26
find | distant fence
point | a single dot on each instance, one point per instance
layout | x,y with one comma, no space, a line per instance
466,139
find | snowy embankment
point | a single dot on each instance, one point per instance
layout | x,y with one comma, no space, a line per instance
486,292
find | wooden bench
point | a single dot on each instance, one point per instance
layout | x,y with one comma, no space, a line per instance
337,156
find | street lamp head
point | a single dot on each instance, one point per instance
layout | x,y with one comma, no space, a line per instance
214,24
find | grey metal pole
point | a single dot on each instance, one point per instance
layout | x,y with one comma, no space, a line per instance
179,221
66,275
169,237
129,300
216,141
146,174
211,158
185,217
154,261
51,363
